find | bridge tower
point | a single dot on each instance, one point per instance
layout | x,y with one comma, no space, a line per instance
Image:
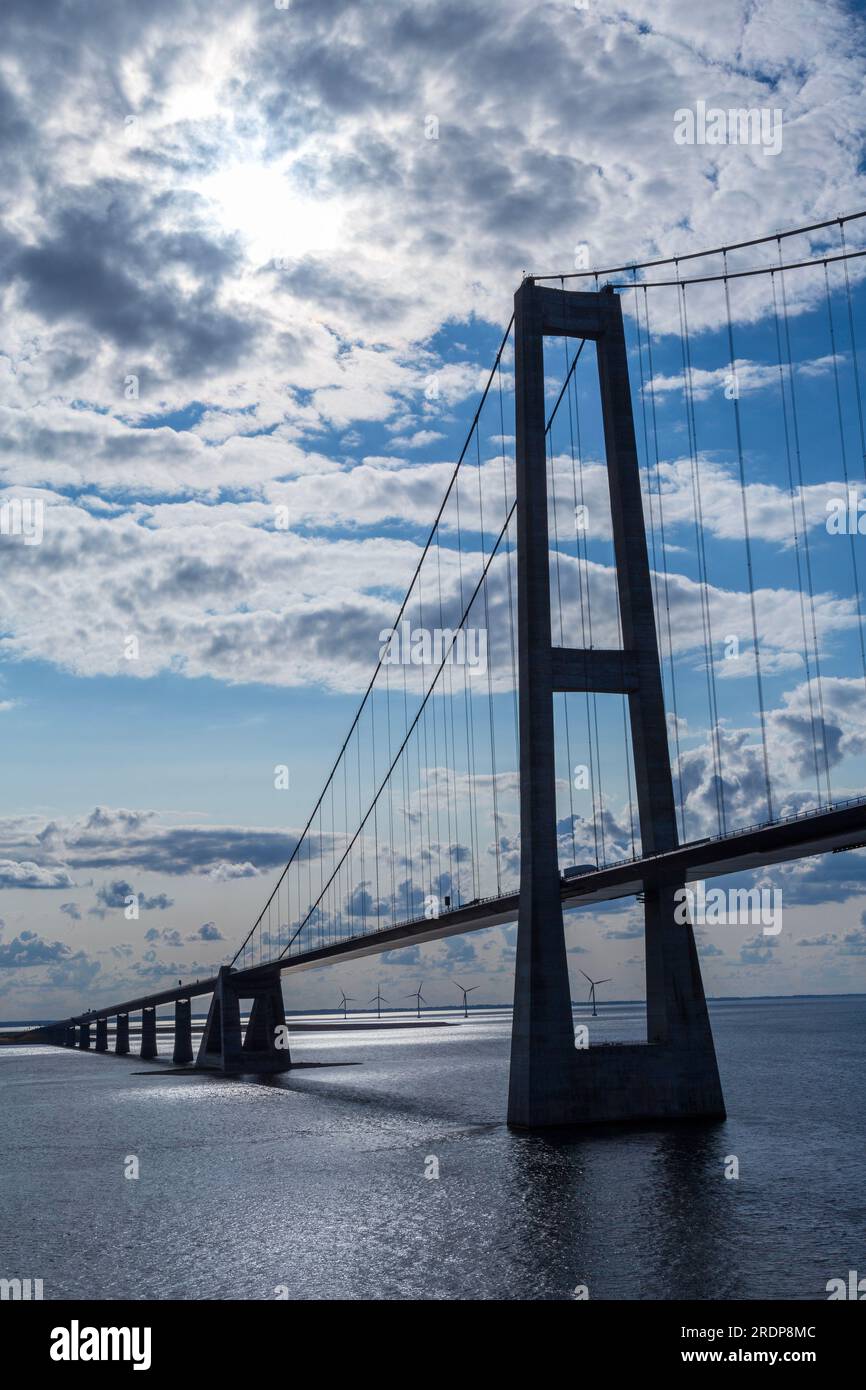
674,1074
263,1047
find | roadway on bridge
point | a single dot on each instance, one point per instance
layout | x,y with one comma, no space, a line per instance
843,827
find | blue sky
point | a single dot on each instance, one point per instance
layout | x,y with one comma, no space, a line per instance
233,263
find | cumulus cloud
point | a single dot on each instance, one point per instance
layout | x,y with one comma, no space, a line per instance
759,950
272,257
853,943
28,950
208,931
120,894
108,837
29,875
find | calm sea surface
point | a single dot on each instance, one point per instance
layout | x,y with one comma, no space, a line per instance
315,1180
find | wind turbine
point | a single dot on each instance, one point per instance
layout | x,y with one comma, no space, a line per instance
344,1002
592,985
466,992
416,994
378,999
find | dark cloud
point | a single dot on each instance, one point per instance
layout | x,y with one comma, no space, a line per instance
824,879
208,931
132,839
117,894
337,288
185,850
159,902
27,949
111,838
460,950
111,263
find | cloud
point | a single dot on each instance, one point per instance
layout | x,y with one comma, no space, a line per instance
109,838
853,943
222,872
216,590
759,950
107,263
30,875
120,894
460,950
208,931
159,901
144,248
407,955
27,950
750,376
419,440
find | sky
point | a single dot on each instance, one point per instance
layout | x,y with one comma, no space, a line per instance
238,243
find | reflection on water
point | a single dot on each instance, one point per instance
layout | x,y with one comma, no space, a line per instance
316,1179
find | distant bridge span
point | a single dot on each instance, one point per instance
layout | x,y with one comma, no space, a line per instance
842,827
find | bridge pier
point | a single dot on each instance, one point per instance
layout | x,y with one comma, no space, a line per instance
101,1035
70,1036
148,1034
182,1032
84,1036
53,1034
223,1046
121,1035
674,1074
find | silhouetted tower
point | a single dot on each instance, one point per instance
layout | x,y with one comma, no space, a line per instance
673,1074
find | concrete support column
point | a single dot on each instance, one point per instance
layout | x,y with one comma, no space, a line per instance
148,1034
84,1036
70,1036
102,1035
675,1073
182,1054
542,1039
121,1037
266,1038
262,1051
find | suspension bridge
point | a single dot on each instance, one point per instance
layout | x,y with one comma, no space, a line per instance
631,655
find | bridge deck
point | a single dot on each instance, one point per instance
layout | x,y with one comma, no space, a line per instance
820,832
